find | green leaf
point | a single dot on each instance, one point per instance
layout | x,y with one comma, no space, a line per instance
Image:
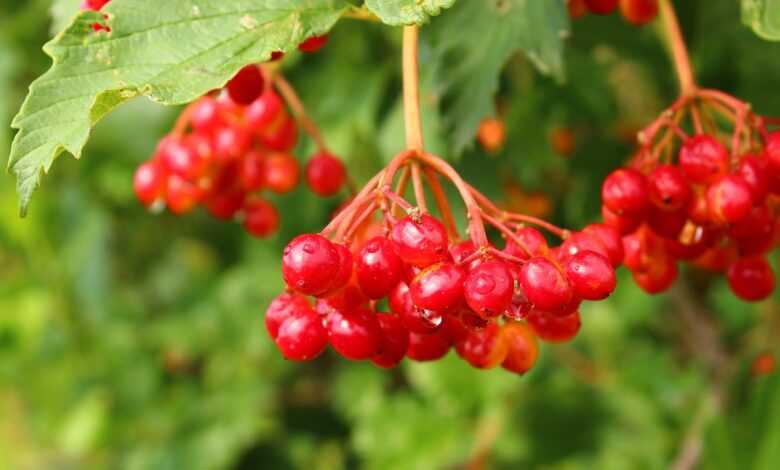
171,52
405,12
763,16
62,13
474,41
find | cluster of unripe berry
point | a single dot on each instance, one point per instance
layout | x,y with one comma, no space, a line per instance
636,12
409,288
226,150
712,205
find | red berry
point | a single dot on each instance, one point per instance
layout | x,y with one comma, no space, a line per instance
94,5
601,7
591,275
354,334
205,115
554,329
669,190
379,268
751,279
310,264
488,288
261,218
325,174
610,238
532,243
625,191
754,234
772,151
414,319
313,44
428,347
420,243
247,85
523,348
639,12
280,137
544,284
179,158
658,276
251,171
577,8
753,170
180,195
394,342
231,143
346,267
301,336
485,348
729,200
666,224
225,205
438,287
264,111
281,308
459,252
281,173
149,183
623,223
703,159
580,241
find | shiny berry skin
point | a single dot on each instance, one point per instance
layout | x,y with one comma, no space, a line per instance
438,287
753,170
488,288
354,334
281,137
462,251
422,243
264,111
346,268
729,200
772,151
532,243
224,205
610,238
601,7
394,342
281,173
523,347
205,115
703,159
379,269
413,318
310,264
639,12
181,196
246,86
545,286
485,348
580,241
658,276
301,336
281,308
251,171
179,158
554,329
625,191
94,5
754,234
325,174
623,223
231,143
669,190
591,275
261,219
666,224
751,279
313,44
149,182
428,347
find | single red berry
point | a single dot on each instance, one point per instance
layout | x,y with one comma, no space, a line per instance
420,243
577,8
205,115
265,111
491,134
544,284
669,190
325,174
428,347
639,12
281,173
247,85
251,171
394,342
754,234
751,279
461,251
580,241
261,218
438,287
531,243
149,182
657,276
181,196
231,142
753,170
523,348
179,158
281,137
554,329
601,7
729,200
488,288
666,224
703,159
485,348
310,264
346,267
772,151
94,5
379,269
354,334
591,275
225,205
313,44
282,308
625,191
414,319
611,240
302,337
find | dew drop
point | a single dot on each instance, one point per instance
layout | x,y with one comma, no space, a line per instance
308,248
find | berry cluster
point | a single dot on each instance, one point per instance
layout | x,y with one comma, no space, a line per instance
490,304
637,12
710,198
227,149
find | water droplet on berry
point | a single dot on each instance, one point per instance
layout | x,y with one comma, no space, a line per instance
308,248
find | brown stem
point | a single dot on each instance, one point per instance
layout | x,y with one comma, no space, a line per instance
411,79
442,203
676,42
299,111
419,190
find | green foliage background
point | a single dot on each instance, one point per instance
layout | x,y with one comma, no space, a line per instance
135,341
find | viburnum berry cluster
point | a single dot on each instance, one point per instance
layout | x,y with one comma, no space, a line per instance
637,12
230,147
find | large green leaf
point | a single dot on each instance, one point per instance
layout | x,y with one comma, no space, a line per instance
171,52
763,16
403,12
474,41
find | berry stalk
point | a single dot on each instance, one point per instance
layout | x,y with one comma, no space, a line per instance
676,42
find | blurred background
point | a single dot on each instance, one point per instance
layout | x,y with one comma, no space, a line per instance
135,341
